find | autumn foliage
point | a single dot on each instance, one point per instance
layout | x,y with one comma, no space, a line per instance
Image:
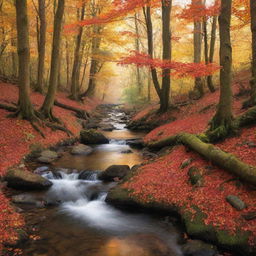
178,68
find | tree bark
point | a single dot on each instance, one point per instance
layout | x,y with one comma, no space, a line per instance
75,78
222,122
25,110
198,50
252,100
206,52
94,68
46,109
148,20
212,50
137,47
14,59
166,41
41,46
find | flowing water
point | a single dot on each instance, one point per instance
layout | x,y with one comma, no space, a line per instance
80,223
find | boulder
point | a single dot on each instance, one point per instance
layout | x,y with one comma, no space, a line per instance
20,179
107,127
90,125
81,149
47,156
198,248
88,175
236,202
135,143
195,176
113,172
92,137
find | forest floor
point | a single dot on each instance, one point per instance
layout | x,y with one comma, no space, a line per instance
165,180
18,138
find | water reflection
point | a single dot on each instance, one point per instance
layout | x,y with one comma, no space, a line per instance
102,157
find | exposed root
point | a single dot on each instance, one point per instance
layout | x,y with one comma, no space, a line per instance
37,129
55,127
80,113
8,107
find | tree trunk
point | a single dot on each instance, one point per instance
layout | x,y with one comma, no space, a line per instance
41,46
211,54
49,99
166,41
92,83
137,47
25,110
14,59
252,100
149,87
67,63
147,15
198,88
75,78
94,69
221,123
206,52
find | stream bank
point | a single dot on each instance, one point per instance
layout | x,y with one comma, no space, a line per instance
73,218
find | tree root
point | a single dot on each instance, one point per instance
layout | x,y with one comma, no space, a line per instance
55,127
80,113
37,129
8,107
38,117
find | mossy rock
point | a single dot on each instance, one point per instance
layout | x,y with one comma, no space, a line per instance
195,176
237,242
24,180
92,136
196,227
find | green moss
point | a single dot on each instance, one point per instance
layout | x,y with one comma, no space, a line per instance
239,239
196,227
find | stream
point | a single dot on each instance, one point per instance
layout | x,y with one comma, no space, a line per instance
81,223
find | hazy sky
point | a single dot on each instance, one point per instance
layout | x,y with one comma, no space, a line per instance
184,2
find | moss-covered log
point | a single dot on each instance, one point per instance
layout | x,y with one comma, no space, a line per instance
222,159
169,141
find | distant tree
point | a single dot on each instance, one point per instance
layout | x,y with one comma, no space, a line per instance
212,50
163,91
77,60
222,123
46,109
197,35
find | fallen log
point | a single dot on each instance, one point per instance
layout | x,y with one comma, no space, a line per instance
169,141
80,113
222,159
